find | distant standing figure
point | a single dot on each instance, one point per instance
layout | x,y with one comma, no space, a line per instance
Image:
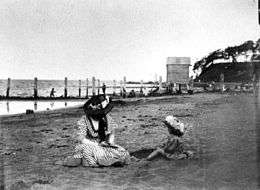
124,93
52,92
132,94
141,91
104,88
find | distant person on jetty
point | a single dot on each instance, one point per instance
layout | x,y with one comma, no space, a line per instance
131,94
104,88
52,93
173,148
95,133
141,92
124,93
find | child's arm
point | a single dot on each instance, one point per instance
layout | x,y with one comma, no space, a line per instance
156,153
171,146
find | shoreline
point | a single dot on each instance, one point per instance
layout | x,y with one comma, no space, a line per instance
116,102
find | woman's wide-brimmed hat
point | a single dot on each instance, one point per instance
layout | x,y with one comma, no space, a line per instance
174,125
98,106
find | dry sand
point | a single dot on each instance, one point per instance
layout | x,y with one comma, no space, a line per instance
223,136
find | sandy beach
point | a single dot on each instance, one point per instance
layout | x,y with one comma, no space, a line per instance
222,134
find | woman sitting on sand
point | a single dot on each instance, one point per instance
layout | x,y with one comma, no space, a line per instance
96,137
173,148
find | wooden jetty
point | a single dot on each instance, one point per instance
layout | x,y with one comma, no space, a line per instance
118,88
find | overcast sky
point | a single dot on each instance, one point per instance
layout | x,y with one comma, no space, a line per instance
110,39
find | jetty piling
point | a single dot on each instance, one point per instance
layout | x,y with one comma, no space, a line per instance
66,87
79,88
191,83
87,88
114,87
222,79
121,88
93,86
187,86
175,89
124,83
35,94
160,83
98,86
179,88
8,87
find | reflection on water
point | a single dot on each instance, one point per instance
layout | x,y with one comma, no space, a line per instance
14,107
35,106
7,107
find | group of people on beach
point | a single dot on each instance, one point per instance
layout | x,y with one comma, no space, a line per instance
96,138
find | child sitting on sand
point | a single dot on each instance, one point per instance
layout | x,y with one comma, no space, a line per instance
173,148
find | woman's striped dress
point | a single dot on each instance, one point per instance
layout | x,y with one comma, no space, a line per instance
91,152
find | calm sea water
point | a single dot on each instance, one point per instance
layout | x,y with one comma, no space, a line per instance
24,88
15,107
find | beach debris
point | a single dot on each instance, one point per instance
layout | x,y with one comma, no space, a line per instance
43,181
11,151
135,159
182,156
21,185
58,146
8,153
143,153
65,136
46,130
18,149
28,111
184,115
144,126
189,153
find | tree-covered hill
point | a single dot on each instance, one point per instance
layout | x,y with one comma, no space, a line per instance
226,61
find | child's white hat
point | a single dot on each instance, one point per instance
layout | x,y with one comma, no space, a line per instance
175,123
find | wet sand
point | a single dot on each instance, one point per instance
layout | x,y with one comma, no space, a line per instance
223,137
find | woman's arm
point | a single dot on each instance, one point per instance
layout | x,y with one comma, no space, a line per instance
112,125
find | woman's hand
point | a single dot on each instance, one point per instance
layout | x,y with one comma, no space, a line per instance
111,138
104,143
